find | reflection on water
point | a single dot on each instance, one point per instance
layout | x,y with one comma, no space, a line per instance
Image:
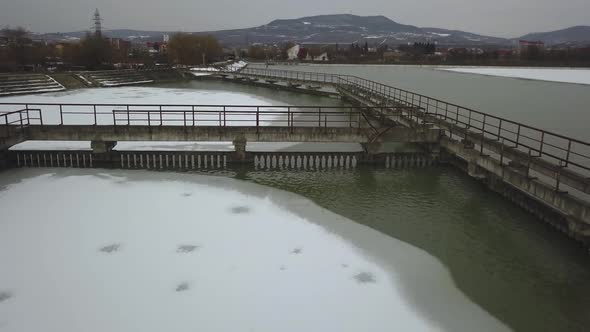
517,268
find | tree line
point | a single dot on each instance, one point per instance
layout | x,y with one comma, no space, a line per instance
19,51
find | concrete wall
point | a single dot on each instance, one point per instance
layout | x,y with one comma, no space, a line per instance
560,209
251,134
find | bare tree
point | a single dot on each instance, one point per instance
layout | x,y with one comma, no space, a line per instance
187,49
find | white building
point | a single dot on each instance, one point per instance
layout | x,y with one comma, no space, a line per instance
321,57
293,52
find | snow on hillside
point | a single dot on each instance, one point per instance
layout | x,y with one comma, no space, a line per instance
564,75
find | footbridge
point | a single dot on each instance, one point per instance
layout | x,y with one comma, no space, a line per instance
545,172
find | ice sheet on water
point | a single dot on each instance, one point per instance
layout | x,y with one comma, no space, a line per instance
344,277
52,145
181,98
564,75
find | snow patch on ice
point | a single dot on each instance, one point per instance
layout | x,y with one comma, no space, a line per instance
563,75
234,66
118,83
139,96
52,146
242,278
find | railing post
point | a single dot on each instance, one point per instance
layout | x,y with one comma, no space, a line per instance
114,119
288,116
7,125
518,137
483,130
257,117
193,112
161,121
184,118
61,115
320,117
569,149
502,156
128,117
426,110
28,117
149,119
359,119
20,114
499,130
542,143
224,117
95,121
528,166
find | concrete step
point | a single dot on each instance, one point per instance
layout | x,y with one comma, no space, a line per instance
22,77
26,87
32,85
31,91
120,75
36,79
132,82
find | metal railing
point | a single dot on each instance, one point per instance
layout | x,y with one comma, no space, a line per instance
185,115
558,149
250,116
14,122
312,77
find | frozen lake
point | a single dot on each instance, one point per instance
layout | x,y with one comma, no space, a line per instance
155,247
139,251
142,98
563,75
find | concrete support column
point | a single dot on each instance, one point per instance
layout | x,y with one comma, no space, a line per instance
3,159
240,148
102,146
433,149
372,148
468,144
475,171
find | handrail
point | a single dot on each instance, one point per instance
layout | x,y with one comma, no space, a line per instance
8,126
249,69
321,117
110,113
560,149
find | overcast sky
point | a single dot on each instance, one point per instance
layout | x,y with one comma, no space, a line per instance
503,18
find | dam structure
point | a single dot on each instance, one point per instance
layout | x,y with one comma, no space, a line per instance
546,173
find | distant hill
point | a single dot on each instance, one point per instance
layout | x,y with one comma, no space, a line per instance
347,29
578,35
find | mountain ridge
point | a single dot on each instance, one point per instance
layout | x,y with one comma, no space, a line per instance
348,28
